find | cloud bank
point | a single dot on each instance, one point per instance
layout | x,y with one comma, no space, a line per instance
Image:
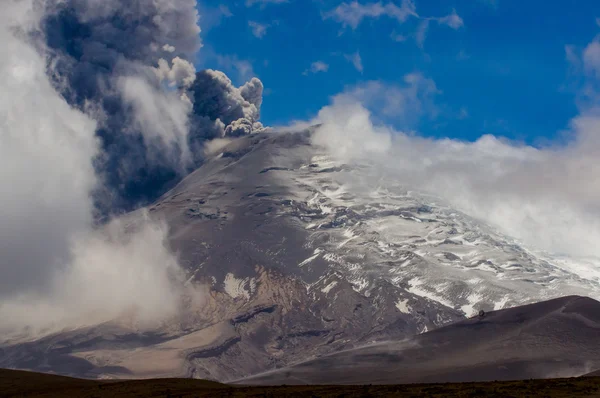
546,197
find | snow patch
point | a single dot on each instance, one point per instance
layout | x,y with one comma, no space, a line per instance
501,304
238,287
316,254
403,306
469,308
328,288
416,289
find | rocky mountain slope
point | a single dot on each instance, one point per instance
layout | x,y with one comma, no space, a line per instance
302,256
551,339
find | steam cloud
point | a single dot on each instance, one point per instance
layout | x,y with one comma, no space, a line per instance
101,111
546,197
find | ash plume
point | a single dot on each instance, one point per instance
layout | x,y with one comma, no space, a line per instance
129,65
96,119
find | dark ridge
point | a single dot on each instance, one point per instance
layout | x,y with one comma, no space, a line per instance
309,333
214,351
253,312
28,384
275,169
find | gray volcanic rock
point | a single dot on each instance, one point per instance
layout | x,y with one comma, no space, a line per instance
303,256
557,338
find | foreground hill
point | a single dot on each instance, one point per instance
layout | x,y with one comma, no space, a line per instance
557,338
29,385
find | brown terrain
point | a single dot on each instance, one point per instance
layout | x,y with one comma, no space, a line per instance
26,384
536,349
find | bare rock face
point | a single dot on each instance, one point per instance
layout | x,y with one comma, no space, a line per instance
301,256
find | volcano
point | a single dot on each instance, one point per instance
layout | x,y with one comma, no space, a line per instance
320,271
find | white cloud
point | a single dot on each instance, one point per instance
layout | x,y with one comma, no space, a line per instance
352,14
258,30
453,20
316,67
545,197
356,60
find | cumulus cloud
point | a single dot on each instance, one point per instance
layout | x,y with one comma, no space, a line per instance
316,67
546,197
59,269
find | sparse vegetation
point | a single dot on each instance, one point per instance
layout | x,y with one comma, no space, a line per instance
26,384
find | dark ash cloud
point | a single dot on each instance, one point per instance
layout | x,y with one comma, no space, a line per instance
128,64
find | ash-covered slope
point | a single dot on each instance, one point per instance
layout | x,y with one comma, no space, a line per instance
556,338
303,256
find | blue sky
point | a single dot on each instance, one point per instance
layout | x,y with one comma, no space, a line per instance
498,67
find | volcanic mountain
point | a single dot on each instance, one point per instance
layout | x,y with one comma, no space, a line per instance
302,255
